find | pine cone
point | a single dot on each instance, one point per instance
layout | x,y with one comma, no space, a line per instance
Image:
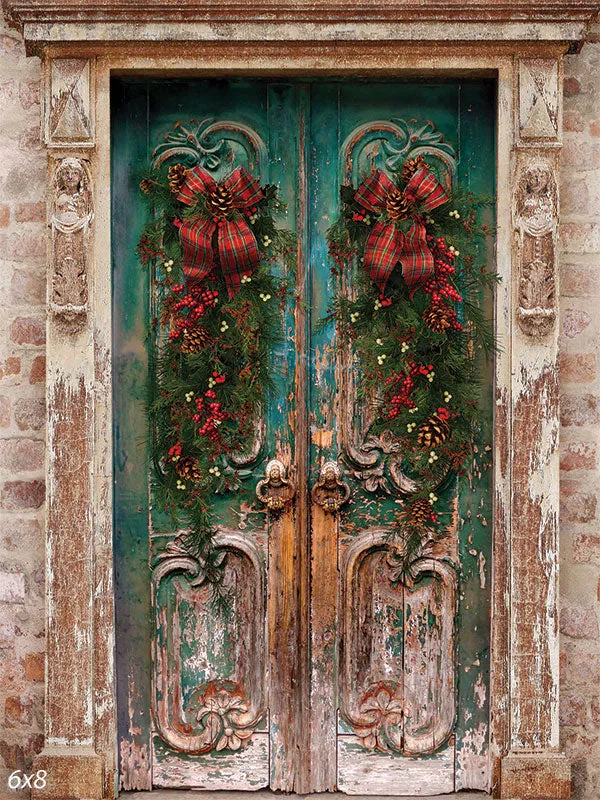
147,186
194,340
187,468
437,318
418,513
433,432
397,205
219,201
176,177
411,165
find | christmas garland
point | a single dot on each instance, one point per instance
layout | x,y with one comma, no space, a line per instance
218,315
416,323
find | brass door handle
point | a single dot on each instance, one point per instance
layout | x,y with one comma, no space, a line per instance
275,490
330,492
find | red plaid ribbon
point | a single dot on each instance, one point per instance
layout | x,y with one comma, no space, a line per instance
237,249
387,245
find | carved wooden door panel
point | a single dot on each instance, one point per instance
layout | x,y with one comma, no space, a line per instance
329,672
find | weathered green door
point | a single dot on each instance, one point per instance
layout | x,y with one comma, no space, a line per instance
327,673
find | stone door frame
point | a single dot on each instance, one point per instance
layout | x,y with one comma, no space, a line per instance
80,53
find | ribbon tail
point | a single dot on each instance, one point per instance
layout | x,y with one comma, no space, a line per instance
238,252
416,257
196,239
382,250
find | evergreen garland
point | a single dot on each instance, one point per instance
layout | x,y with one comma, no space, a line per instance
211,358
420,350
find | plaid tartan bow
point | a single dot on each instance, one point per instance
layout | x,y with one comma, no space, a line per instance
237,249
387,245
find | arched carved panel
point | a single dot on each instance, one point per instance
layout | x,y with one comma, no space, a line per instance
397,681
380,144
209,666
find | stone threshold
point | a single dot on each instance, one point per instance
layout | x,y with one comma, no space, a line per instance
206,794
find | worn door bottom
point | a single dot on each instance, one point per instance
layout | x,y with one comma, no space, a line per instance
175,794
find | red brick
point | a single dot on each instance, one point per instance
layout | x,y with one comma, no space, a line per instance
579,410
11,366
30,415
575,505
28,286
571,87
577,367
11,46
586,548
12,587
21,455
7,635
4,411
4,215
578,455
579,623
573,121
31,140
582,667
575,322
17,711
35,665
37,373
580,237
581,154
30,212
22,247
579,745
595,128
28,330
19,756
22,494
595,709
29,93
572,710
580,281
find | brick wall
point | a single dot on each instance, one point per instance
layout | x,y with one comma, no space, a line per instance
22,368
22,334
580,417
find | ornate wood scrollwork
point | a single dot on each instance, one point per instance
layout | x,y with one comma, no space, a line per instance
72,216
413,713
214,713
376,460
536,220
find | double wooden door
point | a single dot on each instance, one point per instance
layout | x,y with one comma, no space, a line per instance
328,672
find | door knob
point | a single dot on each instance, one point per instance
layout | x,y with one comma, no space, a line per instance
330,492
275,490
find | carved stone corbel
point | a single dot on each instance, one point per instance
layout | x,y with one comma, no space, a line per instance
72,216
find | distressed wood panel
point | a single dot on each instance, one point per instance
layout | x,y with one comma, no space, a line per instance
247,769
382,773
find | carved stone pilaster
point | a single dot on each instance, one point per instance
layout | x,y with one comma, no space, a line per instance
534,766
536,219
71,220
